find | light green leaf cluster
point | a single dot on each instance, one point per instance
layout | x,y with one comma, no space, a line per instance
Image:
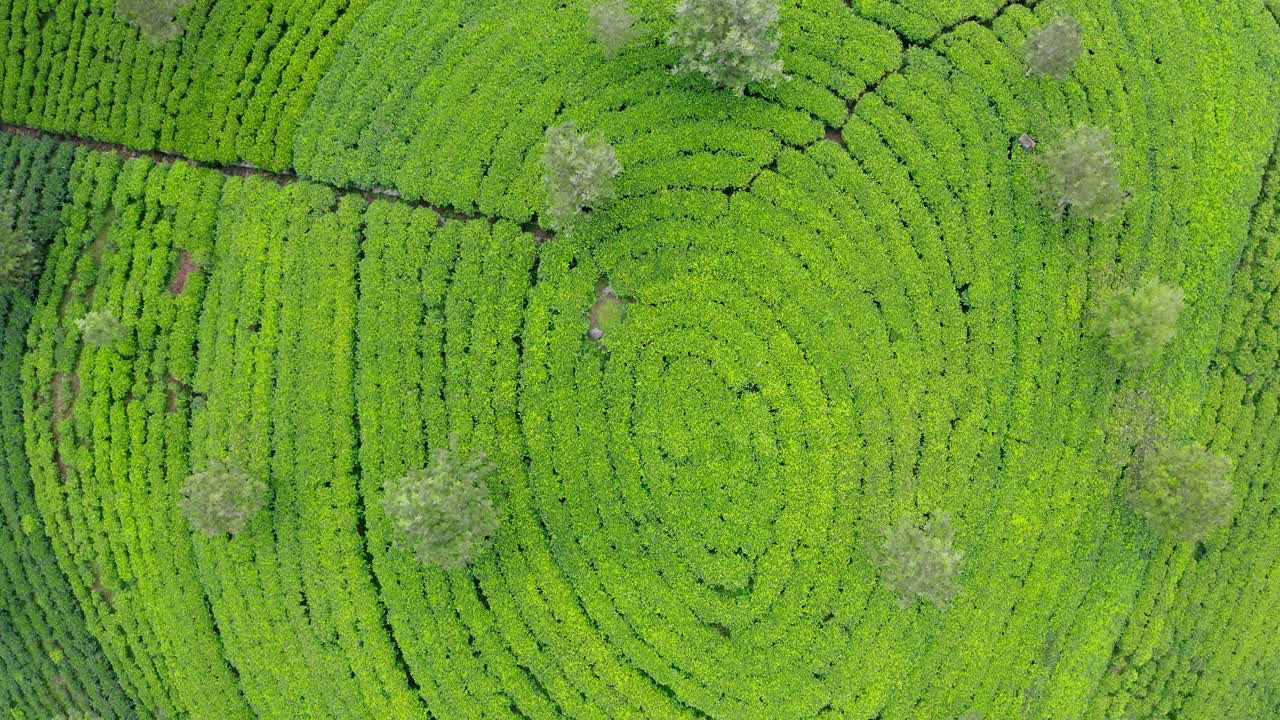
1138,323
221,499
444,510
920,563
579,174
612,25
1184,492
732,42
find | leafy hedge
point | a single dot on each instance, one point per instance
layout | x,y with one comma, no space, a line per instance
845,304
52,663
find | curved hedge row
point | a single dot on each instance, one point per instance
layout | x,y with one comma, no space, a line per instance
51,661
232,87
824,331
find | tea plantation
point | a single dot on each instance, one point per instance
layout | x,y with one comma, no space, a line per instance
832,398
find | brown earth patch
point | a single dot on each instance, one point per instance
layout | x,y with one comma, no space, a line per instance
185,266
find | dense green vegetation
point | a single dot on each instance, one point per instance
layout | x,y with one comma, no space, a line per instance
720,418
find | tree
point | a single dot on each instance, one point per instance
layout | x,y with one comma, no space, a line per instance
1184,492
920,563
612,25
444,510
1052,50
155,18
17,251
221,499
579,174
100,328
732,42
1138,323
1083,173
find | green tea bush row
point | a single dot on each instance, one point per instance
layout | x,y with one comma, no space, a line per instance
433,134
853,335
107,430
276,367
231,86
52,662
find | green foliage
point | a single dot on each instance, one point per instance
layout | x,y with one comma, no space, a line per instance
920,563
607,311
221,499
17,251
732,42
578,174
824,331
155,18
100,328
612,25
1184,492
444,510
1052,50
1084,174
1138,323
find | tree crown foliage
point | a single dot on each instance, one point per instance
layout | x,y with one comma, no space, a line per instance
17,251
100,328
221,499
1138,323
1084,173
444,510
579,174
920,563
1184,492
157,19
731,42
1052,50
612,25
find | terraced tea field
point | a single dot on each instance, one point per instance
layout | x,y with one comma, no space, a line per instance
318,232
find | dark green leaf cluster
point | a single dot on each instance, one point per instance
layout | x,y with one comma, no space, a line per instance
155,18
918,563
1052,50
612,25
221,499
579,174
1184,492
444,510
732,42
100,328
1138,323
1084,174
17,251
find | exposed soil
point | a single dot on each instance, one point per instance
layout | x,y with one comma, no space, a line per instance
185,266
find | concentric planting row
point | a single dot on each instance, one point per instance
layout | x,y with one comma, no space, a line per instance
51,660
822,335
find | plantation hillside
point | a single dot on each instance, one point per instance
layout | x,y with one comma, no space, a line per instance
340,378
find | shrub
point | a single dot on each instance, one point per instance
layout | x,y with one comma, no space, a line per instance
17,251
607,311
221,499
920,563
1052,50
1083,173
1184,493
155,18
1139,323
612,25
732,42
444,510
579,174
100,328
